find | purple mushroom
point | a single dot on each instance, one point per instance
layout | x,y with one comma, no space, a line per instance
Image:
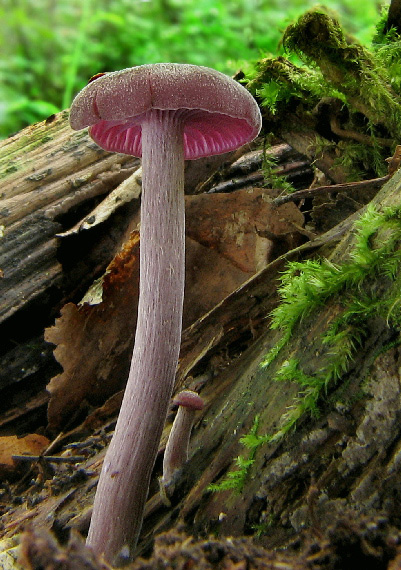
176,453
165,113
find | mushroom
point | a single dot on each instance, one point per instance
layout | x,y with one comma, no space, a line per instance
176,452
165,113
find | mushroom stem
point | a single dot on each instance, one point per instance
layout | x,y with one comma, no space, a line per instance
176,453
124,480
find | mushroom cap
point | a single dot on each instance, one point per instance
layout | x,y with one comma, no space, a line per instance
221,115
188,399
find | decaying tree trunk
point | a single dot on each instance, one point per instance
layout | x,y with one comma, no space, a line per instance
341,461
48,176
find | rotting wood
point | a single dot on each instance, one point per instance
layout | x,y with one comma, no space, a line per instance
276,499
225,346
347,474
211,335
47,172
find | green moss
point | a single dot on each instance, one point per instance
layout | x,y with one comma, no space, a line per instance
323,63
279,83
236,480
309,285
46,138
271,179
265,526
347,66
364,287
9,170
359,158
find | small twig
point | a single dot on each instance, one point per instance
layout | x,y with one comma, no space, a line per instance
50,458
345,187
268,235
52,446
236,183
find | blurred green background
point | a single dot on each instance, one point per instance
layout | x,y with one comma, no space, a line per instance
50,48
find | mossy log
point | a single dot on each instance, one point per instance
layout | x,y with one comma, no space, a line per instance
344,458
342,106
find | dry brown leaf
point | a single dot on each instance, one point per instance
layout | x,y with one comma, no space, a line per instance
236,225
90,346
32,444
209,278
94,340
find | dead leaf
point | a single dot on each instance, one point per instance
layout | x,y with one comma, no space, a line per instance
94,340
32,444
90,346
209,278
233,225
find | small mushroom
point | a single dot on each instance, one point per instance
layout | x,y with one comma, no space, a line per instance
165,113
176,453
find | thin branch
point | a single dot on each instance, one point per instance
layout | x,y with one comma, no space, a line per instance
346,187
50,458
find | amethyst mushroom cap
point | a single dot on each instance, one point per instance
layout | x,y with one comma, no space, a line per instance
165,113
219,114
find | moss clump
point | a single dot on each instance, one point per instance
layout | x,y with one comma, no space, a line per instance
318,39
281,85
353,286
236,479
324,64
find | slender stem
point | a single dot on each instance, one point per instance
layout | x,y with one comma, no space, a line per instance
176,453
124,480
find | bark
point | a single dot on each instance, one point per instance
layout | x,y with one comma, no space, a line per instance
394,16
51,177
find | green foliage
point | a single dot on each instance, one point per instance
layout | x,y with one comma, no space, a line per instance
49,50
